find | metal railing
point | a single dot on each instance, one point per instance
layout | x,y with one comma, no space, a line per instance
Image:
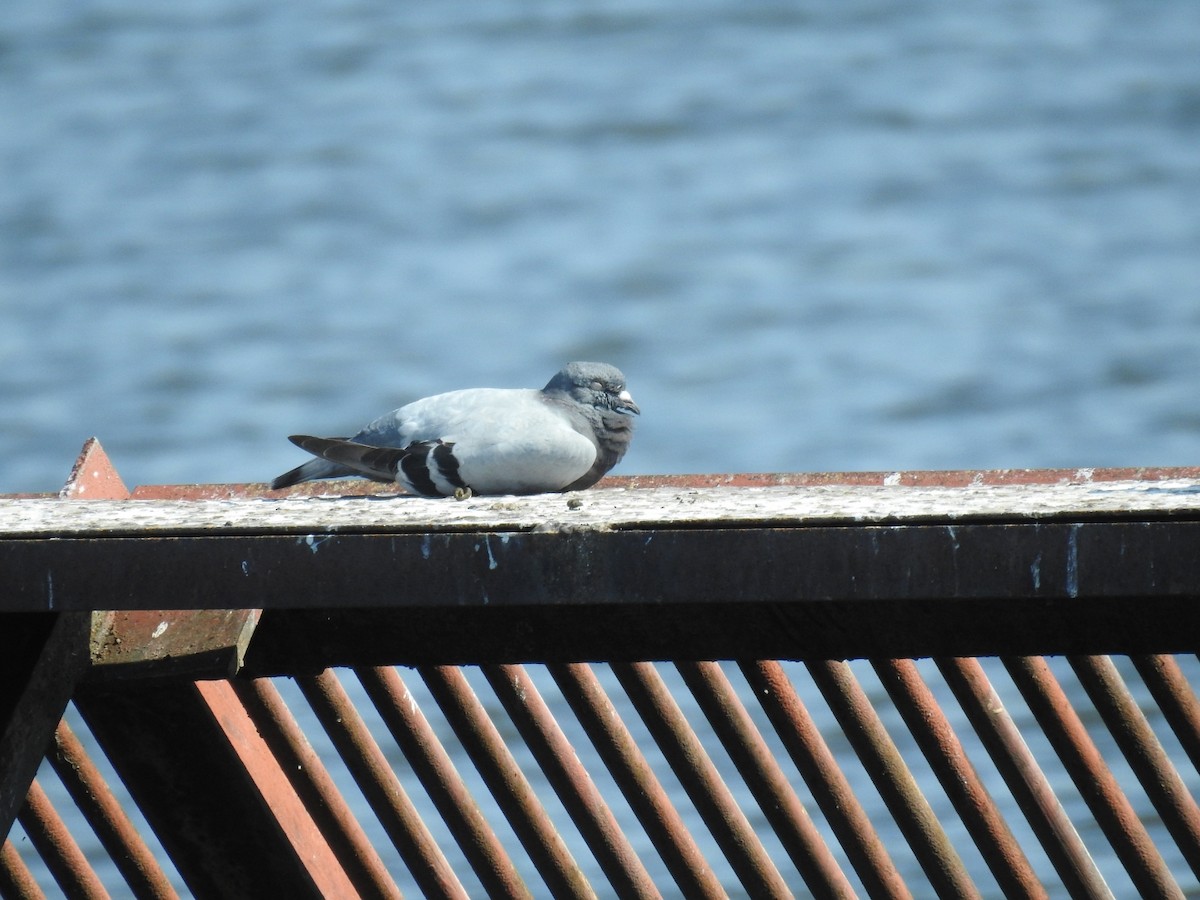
1013,775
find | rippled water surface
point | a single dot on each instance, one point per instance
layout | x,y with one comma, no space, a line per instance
815,236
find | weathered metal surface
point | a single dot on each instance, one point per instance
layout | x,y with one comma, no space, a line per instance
1024,779
1159,778
311,779
379,785
896,785
811,566
570,780
829,787
58,849
44,656
211,789
432,765
700,779
766,780
508,785
1094,780
634,776
202,643
962,784
16,881
1174,696
143,875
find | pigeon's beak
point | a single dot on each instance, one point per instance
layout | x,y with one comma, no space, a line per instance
626,404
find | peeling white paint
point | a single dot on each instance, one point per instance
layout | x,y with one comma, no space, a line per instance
160,629
892,479
314,542
1035,571
1073,561
487,542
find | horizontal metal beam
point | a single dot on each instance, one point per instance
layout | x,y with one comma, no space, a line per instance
1028,562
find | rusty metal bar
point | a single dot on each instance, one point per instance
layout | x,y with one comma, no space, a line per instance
507,783
1094,780
1174,696
379,785
16,881
699,777
103,812
570,780
766,780
937,740
49,834
633,775
828,784
436,771
896,785
1025,780
316,789
1135,737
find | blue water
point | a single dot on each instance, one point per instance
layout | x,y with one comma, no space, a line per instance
815,236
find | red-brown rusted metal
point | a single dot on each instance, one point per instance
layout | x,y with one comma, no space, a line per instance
963,786
766,780
433,766
104,813
62,856
642,790
1135,737
379,785
1028,784
316,789
825,779
508,785
699,777
1171,691
891,776
570,780
1094,780
16,881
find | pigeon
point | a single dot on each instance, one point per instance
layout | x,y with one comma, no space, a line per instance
488,441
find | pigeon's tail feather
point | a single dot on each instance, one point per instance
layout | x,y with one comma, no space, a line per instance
347,457
311,471
316,469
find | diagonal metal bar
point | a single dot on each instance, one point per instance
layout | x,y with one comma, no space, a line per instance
1028,784
891,776
633,775
1094,780
937,740
379,785
504,779
1135,737
62,856
766,780
700,779
104,813
1174,696
436,771
827,782
570,780
312,783
16,881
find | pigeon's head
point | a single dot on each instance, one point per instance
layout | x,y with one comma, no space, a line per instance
594,384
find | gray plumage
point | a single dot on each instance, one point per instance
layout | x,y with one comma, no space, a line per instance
488,440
